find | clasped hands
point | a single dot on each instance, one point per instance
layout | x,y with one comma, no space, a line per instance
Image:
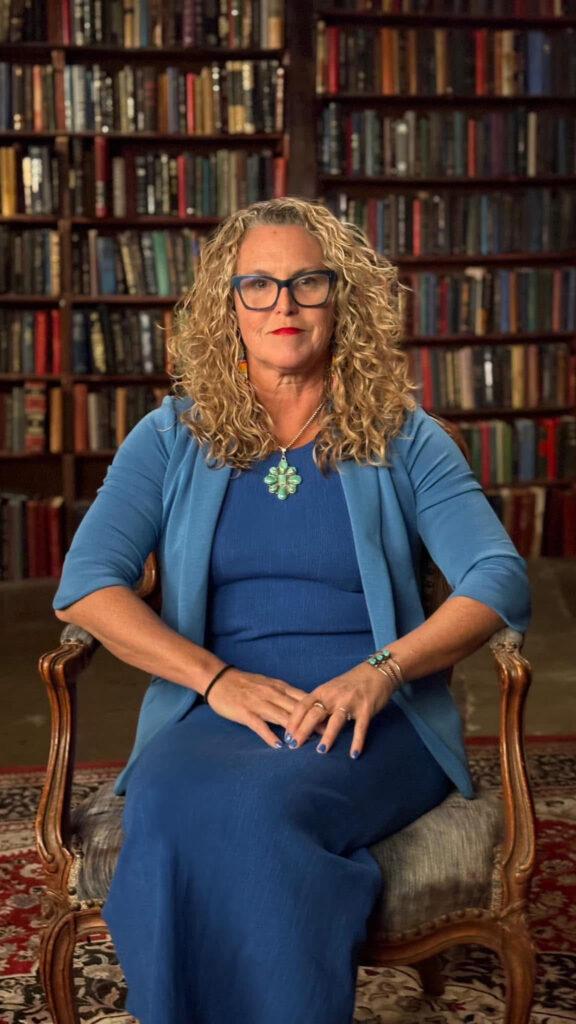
256,700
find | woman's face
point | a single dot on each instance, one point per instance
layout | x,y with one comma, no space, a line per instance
282,251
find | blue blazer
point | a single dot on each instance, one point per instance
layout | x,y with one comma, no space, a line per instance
160,494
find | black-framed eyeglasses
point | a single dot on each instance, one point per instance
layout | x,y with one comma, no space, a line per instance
310,288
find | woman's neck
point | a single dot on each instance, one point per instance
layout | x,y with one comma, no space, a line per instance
290,400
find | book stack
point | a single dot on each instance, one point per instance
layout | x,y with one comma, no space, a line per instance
120,341
30,341
31,419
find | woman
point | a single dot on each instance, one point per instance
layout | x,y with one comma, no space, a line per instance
288,502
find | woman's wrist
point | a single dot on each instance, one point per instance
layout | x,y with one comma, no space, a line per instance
385,662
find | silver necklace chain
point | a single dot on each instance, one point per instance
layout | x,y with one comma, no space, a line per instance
284,448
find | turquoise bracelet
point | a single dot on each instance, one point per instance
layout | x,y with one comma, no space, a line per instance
384,661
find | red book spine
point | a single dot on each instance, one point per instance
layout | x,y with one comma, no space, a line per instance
190,107
181,172
56,341
35,405
480,40
100,176
55,546
41,341
427,379
333,44
66,23
552,448
80,417
417,226
280,176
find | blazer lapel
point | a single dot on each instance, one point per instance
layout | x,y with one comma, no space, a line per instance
362,493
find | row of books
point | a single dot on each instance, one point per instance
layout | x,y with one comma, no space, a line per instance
23,22
236,97
134,23
540,521
162,183
494,376
433,223
31,536
464,8
483,300
104,416
504,453
446,143
29,180
32,419
120,340
444,61
30,341
135,263
29,261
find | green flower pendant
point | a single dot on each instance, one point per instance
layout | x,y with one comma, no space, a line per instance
282,480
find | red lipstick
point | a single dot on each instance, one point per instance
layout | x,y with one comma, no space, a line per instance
288,330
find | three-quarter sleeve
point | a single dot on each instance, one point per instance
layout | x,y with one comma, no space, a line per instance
460,529
123,524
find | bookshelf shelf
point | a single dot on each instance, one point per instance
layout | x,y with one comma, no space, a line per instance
448,182
341,16
503,413
475,259
123,300
31,218
30,456
144,221
19,52
7,299
489,339
436,101
165,138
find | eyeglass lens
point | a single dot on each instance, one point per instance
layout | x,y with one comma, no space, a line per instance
309,290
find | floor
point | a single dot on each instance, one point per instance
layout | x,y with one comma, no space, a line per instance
110,692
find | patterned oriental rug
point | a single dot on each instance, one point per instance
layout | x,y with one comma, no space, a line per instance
474,993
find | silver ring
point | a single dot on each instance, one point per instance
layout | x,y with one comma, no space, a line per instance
346,712
319,704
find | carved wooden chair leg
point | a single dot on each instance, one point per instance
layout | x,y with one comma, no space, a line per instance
56,970
431,977
519,962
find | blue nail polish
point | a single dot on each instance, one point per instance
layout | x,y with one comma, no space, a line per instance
321,748
278,743
355,754
287,737
293,743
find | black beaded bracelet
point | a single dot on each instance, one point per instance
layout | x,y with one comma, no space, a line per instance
215,680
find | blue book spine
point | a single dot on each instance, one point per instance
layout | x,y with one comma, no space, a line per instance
106,251
81,359
535,64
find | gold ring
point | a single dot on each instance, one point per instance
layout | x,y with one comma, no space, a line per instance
319,704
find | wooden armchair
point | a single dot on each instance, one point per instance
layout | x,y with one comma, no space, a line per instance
460,874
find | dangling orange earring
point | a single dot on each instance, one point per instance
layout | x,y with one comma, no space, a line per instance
242,366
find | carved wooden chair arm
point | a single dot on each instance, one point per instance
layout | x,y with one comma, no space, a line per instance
60,670
519,846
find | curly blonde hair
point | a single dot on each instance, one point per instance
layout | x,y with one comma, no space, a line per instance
368,388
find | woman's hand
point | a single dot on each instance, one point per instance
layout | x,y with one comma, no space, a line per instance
363,692
254,700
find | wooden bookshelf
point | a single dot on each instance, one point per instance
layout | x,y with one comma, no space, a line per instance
384,144
73,471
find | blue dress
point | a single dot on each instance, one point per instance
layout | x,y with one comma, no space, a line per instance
244,884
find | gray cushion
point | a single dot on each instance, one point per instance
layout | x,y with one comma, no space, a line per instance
440,863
